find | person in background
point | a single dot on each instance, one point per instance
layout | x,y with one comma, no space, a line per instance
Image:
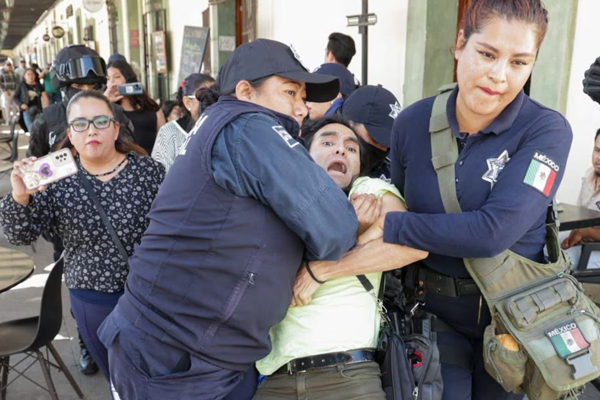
347,86
589,197
37,69
340,49
8,84
171,110
20,71
173,134
373,110
30,96
144,113
125,183
116,57
53,94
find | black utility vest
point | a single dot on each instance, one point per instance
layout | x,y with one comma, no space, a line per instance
214,270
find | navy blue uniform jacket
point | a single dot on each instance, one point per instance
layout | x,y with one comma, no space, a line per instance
501,210
241,204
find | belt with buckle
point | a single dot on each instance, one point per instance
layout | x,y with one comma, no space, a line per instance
443,285
326,360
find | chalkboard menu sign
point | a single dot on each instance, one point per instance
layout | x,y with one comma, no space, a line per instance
192,50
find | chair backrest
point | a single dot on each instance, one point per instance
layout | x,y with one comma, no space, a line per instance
50,319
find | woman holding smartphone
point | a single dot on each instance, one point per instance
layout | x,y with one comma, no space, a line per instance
144,113
125,184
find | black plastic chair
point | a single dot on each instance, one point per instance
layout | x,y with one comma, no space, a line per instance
12,139
29,335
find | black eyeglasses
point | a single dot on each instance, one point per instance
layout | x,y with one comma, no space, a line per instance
82,124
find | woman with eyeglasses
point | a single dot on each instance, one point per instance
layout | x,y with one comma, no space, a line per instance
172,135
125,183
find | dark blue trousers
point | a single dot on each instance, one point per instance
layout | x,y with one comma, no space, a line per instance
463,314
88,318
145,368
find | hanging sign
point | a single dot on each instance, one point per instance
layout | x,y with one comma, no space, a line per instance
58,32
93,5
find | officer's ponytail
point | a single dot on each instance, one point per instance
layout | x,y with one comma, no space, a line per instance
207,96
189,86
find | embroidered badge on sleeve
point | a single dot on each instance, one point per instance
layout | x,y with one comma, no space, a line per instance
567,339
285,136
541,173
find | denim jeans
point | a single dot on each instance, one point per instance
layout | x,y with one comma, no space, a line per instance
28,120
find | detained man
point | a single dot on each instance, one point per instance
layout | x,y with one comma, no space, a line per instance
325,344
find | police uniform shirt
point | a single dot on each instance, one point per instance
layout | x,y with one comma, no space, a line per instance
506,175
295,187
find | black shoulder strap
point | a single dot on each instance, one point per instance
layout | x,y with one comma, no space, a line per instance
365,282
111,230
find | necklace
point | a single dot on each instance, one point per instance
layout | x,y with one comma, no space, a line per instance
109,172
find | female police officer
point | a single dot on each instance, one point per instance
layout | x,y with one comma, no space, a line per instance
241,205
511,157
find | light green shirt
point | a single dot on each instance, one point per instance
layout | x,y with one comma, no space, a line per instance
341,315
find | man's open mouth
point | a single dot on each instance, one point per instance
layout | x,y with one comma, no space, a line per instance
337,166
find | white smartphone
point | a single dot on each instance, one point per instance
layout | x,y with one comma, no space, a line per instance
48,169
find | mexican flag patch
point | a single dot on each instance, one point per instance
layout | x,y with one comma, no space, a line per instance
567,339
541,173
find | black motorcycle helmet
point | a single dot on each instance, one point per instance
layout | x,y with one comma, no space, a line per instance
77,64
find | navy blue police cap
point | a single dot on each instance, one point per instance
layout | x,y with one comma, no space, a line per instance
262,58
347,85
376,108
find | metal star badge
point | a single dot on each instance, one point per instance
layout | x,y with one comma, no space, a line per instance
395,110
495,166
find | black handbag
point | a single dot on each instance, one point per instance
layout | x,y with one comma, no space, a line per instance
88,187
407,352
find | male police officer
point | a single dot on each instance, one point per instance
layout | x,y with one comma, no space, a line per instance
75,68
347,86
373,110
340,49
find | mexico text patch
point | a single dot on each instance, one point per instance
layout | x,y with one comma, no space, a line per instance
567,339
541,173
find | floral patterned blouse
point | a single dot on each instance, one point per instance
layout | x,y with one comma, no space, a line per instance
91,259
